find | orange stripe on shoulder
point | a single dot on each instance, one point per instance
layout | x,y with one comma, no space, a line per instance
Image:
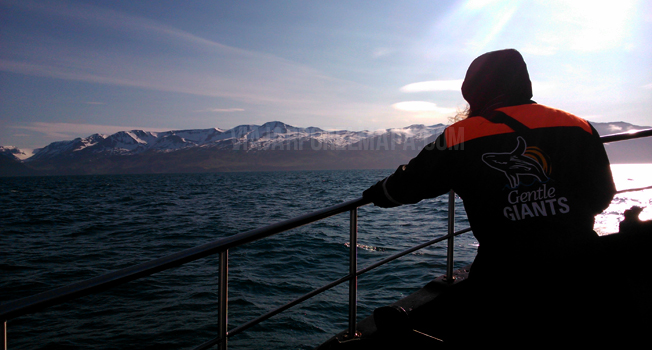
533,116
473,128
536,116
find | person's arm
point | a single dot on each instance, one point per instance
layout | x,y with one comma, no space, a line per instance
423,177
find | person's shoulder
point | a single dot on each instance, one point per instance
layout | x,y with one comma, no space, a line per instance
473,128
535,116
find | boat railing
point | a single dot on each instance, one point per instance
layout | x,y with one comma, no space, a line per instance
37,302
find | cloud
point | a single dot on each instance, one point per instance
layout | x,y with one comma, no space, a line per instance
114,21
421,106
62,131
648,86
381,52
222,110
191,65
434,85
94,103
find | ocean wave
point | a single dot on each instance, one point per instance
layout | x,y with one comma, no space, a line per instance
62,230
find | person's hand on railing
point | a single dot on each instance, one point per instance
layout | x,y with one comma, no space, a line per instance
376,195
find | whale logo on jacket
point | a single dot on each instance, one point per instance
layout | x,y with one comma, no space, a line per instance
522,161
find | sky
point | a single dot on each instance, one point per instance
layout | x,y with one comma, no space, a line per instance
70,69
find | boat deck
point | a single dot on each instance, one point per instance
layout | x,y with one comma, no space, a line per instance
371,338
628,255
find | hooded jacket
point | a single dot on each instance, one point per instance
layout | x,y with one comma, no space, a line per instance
532,177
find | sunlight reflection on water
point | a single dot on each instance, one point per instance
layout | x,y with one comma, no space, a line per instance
627,176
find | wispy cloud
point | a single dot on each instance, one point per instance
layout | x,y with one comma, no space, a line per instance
381,52
434,85
192,64
114,21
421,106
648,86
221,110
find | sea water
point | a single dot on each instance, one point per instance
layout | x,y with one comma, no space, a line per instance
58,230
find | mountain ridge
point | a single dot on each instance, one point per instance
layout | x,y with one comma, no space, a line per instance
272,146
269,136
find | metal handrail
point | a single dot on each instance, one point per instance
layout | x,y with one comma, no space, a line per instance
629,135
326,287
31,304
37,302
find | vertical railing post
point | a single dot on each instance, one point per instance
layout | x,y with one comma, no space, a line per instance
223,296
4,335
451,239
353,268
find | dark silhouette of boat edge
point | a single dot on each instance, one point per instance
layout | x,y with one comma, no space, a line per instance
390,326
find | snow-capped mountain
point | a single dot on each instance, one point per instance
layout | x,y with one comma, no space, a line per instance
271,146
12,152
11,164
269,136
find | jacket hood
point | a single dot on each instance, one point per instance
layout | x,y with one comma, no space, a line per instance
497,77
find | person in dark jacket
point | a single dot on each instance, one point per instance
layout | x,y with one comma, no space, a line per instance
532,179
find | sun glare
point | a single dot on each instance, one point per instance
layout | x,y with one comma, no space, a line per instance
594,24
550,25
